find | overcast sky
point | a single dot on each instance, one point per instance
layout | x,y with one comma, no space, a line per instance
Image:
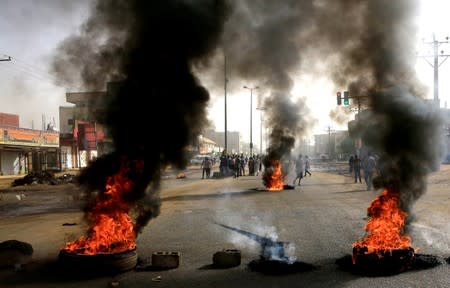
31,29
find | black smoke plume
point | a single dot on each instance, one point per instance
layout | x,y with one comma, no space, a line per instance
156,105
376,62
367,47
263,44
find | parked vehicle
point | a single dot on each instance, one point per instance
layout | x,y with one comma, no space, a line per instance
198,159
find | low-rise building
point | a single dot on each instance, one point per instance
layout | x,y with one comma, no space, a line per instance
83,138
25,150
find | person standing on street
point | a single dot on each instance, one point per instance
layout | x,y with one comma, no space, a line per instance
357,168
307,166
206,168
350,164
299,169
369,168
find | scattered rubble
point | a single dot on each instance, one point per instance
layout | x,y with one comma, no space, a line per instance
43,177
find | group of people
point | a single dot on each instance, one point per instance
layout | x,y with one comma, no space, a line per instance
235,165
368,165
302,168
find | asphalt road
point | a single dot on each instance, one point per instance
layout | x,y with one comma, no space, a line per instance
321,219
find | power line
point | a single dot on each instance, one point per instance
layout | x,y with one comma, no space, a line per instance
30,70
435,64
33,72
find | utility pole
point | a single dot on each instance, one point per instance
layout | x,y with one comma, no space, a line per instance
329,130
260,129
4,59
435,44
225,94
251,116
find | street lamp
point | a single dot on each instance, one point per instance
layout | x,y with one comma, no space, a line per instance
260,128
251,116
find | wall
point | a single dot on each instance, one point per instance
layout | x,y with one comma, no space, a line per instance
9,163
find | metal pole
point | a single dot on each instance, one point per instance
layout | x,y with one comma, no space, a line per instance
225,90
251,141
329,142
260,129
3,59
435,64
251,116
260,135
436,69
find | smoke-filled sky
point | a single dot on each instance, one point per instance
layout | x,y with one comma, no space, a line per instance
32,29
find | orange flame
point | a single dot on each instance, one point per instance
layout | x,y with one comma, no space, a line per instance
112,230
384,228
275,181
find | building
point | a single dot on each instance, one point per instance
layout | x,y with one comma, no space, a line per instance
25,150
207,146
332,145
233,140
203,145
82,137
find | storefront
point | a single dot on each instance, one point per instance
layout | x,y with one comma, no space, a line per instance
25,150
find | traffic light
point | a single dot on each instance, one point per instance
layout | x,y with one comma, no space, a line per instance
338,94
346,100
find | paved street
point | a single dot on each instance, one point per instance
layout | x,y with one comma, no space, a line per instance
321,218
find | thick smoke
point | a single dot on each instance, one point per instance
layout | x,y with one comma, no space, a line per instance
377,62
368,47
96,55
156,104
365,45
409,140
286,124
263,44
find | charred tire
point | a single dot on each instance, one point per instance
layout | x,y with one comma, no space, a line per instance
99,263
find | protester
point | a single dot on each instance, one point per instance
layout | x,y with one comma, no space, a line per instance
307,166
299,169
369,168
357,168
223,165
206,167
350,164
257,165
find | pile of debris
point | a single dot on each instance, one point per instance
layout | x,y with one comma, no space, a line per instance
43,177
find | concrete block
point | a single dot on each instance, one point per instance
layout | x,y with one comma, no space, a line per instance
166,259
227,258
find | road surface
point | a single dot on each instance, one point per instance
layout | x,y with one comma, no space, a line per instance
321,219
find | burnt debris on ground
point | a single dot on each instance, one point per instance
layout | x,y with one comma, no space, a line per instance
43,177
277,267
383,268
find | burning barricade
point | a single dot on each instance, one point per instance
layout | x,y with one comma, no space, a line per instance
386,249
273,177
110,242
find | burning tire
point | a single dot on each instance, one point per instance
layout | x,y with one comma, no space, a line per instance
385,262
99,263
